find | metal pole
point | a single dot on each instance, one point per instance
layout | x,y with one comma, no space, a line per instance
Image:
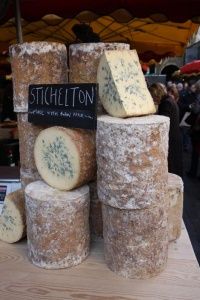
18,22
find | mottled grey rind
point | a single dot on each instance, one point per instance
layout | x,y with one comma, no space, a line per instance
135,241
84,60
28,133
132,155
36,63
57,225
27,176
96,222
175,197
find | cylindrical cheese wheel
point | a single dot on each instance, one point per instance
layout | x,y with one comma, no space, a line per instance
175,197
96,223
13,218
27,176
36,63
57,225
28,133
84,60
135,241
65,158
132,161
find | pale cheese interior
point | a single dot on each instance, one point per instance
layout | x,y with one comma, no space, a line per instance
122,87
57,159
11,223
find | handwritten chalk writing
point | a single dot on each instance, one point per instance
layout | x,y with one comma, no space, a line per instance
60,95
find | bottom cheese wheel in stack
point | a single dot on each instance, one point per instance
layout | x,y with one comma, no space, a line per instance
13,219
57,225
135,241
65,158
96,223
27,176
175,197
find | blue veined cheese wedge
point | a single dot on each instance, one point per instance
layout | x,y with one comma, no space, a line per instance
13,219
122,87
65,158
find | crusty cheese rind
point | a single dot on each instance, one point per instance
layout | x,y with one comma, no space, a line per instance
13,218
122,87
65,158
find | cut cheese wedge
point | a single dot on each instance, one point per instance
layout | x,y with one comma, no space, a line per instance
122,87
65,158
12,219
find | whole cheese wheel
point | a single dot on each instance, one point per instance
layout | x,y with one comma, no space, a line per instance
57,225
135,241
65,158
84,60
175,197
13,218
36,63
132,169
122,87
28,133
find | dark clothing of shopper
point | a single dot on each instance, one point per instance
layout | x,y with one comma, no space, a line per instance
168,107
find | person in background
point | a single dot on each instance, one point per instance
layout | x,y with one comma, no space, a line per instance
168,107
173,93
195,133
186,99
179,87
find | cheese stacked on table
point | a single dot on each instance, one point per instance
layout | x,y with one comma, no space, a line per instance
33,63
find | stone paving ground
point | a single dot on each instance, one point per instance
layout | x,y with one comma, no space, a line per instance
191,211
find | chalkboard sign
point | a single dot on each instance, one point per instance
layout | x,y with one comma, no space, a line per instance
68,105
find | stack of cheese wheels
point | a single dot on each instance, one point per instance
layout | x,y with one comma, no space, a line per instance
33,63
57,225
96,223
132,184
175,196
83,63
84,60
65,158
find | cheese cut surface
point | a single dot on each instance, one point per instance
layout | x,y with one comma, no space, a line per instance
13,219
132,168
65,158
57,225
122,87
175,198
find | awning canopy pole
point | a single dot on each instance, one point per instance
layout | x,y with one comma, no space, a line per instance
18,22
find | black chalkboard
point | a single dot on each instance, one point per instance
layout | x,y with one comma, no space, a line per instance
68,105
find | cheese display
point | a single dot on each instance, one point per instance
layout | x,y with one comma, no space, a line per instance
96,223
57,225
84,60
28,133
12,218
27,176
122,87
175,197
36,63
132,168
65,158
135,241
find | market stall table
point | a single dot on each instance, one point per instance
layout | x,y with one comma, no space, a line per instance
92,280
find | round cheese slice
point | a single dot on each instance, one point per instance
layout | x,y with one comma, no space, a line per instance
65,158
